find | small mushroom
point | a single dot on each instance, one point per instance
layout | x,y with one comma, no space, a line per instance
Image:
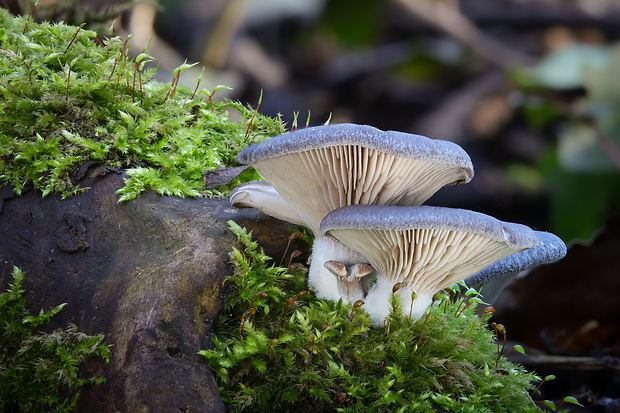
263,196
425,248
319,169
491,280
350,279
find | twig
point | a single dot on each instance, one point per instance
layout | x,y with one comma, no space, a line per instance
447,19
542,14
251,122
226,26
603,364
356,305
68,79
291,237
30,15
447,120
130,91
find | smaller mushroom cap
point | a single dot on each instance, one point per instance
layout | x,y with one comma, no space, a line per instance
492,279
425,248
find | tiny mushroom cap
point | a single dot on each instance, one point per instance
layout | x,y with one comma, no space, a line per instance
319,169
425,248
491,280
350,285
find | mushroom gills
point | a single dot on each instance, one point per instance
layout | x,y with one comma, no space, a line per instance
491,280
426,249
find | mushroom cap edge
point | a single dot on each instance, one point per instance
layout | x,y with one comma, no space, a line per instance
550,248
393,142
382,217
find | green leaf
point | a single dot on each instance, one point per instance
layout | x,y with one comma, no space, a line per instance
183,67
519,348
41,369
259,364
572,400
221,87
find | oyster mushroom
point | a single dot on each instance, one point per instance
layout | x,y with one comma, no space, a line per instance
492,279
317,170
425,248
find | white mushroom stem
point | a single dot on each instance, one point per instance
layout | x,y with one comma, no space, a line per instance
377,302
322,280
263,196
349,279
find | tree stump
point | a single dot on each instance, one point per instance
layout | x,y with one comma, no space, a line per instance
147,273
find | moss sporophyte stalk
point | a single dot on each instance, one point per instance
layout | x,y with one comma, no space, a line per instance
72,96
279,348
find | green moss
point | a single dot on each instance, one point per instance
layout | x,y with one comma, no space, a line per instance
69,97
39,372
279,349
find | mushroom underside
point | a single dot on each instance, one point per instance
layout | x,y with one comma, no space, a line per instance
263,196
426,260
321,180
491,280
425,249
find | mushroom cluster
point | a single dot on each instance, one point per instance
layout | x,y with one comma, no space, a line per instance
360,191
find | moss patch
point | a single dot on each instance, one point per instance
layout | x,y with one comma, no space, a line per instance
278,348
70,96
40,372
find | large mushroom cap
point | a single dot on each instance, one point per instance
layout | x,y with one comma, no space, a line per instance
425,248
322,168
392,142
491,280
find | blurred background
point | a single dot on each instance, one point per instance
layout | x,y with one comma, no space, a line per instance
529,88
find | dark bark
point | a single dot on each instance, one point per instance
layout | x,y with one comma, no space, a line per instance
147,273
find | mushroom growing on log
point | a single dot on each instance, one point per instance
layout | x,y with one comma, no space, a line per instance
317,170
424,248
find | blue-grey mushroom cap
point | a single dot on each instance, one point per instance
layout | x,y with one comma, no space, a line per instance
423,247
319,169
386,217
392,142
492,279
